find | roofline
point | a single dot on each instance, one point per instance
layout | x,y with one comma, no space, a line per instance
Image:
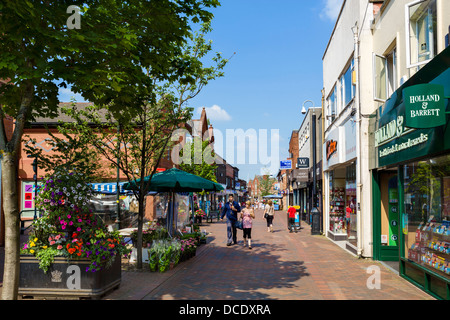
334,29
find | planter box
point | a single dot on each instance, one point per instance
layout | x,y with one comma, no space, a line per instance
66,279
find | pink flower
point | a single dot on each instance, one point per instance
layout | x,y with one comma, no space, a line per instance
52,243
59,247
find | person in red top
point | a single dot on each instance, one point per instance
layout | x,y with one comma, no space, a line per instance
291,218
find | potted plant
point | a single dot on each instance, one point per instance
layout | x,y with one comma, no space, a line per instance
164,254
150,233
199,215
69,243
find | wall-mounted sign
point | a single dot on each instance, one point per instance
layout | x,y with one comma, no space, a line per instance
424,106
331,148
302,162
285,165
301,175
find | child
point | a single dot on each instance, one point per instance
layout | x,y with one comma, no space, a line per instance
247,215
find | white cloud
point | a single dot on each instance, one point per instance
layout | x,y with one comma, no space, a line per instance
215,113
65,95
331,9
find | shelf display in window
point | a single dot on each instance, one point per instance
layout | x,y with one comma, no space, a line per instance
432,246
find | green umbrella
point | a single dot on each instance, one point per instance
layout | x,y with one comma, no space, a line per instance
175,180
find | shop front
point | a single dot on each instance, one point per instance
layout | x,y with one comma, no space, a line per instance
410,136
339,167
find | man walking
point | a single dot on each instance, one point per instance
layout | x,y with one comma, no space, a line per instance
230,209
291,219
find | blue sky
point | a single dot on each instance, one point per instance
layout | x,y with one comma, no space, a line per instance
277,66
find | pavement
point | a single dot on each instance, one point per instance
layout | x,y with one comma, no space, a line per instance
281,266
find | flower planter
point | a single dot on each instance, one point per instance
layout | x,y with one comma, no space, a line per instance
66,279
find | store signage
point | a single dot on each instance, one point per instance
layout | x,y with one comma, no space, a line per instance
285,165
424,106
331,148
302,162
392,130
301,175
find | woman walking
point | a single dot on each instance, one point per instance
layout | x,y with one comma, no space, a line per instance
247,214
268,215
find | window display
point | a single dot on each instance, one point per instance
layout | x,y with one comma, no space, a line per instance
426,223
337,207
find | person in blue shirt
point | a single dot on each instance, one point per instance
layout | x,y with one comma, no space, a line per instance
230,209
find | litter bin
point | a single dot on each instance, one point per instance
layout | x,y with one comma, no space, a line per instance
315,221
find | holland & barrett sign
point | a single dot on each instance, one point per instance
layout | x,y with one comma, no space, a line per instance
424,106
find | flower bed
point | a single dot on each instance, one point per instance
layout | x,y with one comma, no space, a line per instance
68,228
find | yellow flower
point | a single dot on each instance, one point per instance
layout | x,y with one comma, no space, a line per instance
31,251
44,247
35,239
32,244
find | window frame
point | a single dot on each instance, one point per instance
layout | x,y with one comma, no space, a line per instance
409,63
376,76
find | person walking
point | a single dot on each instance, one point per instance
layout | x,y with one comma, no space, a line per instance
291,218
230,209
268,215
247,214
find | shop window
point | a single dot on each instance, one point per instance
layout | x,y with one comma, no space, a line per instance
421,32
426,222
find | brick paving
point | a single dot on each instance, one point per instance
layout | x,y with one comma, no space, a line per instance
281,266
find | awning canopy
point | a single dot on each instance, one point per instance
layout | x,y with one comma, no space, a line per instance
108,187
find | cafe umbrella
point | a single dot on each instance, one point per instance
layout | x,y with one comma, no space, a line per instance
175,180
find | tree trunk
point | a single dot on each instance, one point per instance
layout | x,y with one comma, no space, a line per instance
140,229
12,228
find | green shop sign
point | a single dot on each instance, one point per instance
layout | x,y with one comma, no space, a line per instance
414,122
425,106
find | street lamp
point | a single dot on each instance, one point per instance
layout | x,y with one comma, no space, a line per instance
315,223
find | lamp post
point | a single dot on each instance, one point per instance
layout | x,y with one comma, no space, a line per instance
315,223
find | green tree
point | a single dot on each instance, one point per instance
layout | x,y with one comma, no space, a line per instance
113,59
200,160
266,184
137,144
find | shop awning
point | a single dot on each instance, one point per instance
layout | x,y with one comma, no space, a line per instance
108,187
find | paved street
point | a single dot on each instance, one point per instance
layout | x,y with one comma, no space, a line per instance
281,266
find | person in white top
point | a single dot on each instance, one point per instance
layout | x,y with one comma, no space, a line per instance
268,215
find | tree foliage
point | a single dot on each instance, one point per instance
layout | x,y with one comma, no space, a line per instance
114,59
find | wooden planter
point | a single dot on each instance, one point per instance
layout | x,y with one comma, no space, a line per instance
66,279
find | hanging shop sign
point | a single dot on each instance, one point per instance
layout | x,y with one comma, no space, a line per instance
285,165
424,106
302,163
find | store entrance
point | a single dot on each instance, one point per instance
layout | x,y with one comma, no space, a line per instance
389,216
